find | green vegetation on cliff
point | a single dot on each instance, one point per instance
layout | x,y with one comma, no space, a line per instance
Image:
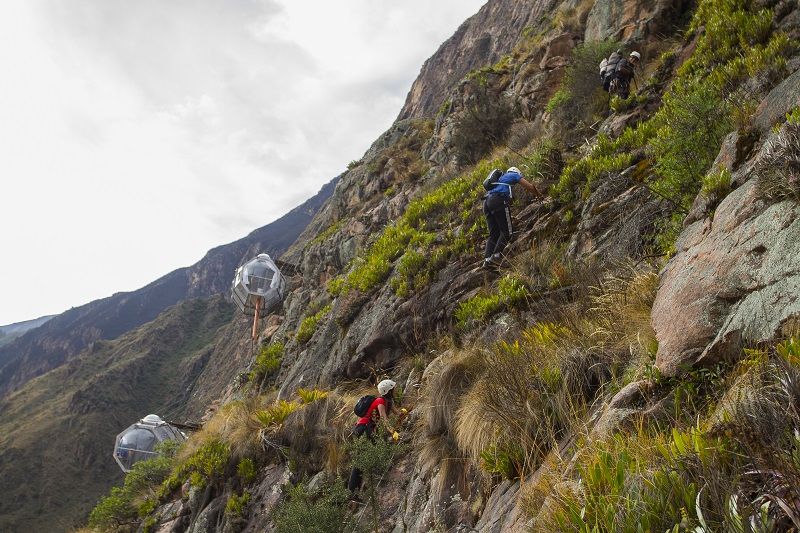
546,374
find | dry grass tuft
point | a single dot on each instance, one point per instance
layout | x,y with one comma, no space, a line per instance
530,395
446,380
543,267
778,166
316,434
234,423
621,305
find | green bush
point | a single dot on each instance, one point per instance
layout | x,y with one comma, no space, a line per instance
309,325
267,363
246,470
122,505
581,101
323,511
236,511
372,457
207,464
113,511
689,127
511,294
482,125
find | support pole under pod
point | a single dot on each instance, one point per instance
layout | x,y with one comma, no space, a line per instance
255,320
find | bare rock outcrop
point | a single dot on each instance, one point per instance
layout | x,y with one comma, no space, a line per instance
732,280
615,219
625,20
480,41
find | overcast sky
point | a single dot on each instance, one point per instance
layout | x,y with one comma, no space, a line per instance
135,136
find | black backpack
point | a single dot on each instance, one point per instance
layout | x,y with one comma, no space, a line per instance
491,180
362,405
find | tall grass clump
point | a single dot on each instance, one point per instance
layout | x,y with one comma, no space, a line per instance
619,315
449,377
723,458
778,166
529,394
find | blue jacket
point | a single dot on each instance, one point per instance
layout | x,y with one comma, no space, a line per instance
506,181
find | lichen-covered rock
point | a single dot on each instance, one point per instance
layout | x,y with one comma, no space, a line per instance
624,20
615,220
733,280
502,513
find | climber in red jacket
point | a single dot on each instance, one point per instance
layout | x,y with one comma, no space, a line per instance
367,424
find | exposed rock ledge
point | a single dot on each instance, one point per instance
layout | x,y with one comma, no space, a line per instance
732,281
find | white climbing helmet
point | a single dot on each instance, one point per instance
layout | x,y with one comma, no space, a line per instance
385,386
515,170
636,55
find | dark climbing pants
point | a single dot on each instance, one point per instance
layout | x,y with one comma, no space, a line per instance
498,219
354,483
622,88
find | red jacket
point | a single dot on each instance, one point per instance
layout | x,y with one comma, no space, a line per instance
373,415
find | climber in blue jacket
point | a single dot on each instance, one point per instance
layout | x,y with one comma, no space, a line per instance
498,215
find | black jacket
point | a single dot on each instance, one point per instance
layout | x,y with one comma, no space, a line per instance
624,71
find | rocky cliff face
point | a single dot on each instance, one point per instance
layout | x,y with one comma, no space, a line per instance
527,374
480,41
734,279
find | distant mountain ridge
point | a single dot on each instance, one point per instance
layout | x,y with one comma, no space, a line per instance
13,331
62,337
22,327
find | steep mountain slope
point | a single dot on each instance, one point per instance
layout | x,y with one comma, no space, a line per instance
57,432
551,375
567,392
12,331
66,335
480,41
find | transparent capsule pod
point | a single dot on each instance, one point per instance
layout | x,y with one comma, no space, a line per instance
137,442
259,286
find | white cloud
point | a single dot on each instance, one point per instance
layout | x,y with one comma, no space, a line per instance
144,133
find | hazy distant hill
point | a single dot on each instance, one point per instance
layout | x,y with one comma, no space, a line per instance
64,336
22,327
12,331
57,432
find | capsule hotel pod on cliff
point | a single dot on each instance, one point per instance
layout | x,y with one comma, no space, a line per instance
138,442
258,288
